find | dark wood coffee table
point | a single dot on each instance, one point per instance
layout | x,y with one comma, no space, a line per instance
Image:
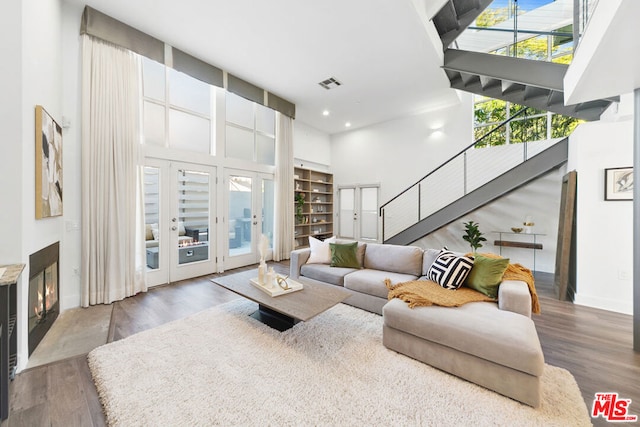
284,311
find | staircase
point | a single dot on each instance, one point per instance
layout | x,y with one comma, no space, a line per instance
413,213
535,84
455,16
520,175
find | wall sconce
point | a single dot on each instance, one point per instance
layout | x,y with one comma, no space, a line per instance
436,131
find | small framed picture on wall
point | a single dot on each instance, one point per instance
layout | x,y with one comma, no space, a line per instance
618,183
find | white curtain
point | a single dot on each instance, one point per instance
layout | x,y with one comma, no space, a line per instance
112,217
283,242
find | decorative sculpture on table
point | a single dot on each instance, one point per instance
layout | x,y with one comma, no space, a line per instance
282,282
263,248
528,224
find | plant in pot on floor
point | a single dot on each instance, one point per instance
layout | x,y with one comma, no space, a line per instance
299,207
473,235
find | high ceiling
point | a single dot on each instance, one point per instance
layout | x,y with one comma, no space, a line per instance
380,50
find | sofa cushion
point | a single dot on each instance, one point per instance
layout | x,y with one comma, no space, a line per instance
320,251
450,270
371,282
394,258
486,275
344,255
325,273
477,328
148,234
181,230
359,252
428,257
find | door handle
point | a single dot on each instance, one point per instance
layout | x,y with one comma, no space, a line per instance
174,228
255,222
173,219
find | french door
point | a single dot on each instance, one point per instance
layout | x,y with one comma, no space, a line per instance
179,220
249,207
358,212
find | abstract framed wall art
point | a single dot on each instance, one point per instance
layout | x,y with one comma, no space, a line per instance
48,165
618,183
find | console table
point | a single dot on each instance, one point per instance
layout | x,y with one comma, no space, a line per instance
9,337
531,244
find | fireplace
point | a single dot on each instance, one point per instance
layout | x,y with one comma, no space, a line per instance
44,290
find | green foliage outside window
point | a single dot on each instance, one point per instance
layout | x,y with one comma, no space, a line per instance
489,113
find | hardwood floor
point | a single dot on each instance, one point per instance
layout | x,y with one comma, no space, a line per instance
594,345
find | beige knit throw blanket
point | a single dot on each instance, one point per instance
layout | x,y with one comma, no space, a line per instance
422,293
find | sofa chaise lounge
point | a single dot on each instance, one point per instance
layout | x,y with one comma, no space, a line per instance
493,344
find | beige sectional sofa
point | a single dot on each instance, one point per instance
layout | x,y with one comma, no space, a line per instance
491,344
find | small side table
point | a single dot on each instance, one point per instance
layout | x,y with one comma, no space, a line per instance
519,244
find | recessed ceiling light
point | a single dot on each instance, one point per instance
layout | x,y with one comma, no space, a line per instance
348,124
325,113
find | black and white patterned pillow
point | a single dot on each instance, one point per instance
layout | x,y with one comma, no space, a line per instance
449,270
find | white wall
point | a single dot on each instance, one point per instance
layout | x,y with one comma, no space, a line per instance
32,75
604,228
71,111
399,152
11,111
311,147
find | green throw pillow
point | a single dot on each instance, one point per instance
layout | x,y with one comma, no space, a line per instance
344,255
486,275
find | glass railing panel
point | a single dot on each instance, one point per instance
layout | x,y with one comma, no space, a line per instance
534,29
401,213
442,188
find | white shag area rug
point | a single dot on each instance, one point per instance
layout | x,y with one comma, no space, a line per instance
221,367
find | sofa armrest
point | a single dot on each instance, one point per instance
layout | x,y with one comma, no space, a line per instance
298,258
513,295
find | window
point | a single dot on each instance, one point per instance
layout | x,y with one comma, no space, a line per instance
178,109
533,125
250,131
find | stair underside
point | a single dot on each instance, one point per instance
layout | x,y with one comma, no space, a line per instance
455,17
536,84
526,172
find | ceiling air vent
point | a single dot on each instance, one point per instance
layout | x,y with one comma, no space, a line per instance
330,83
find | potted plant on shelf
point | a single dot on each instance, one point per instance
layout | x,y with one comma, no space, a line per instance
473,235
299,207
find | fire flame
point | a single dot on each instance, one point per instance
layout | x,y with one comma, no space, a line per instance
190,243
49,291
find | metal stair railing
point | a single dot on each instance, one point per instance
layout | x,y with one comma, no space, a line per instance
466,171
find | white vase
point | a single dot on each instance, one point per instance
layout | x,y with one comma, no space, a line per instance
262,270
271,278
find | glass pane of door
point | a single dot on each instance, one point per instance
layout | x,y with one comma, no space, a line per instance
240,214
347,211
268,209
369,213
152,215
192,222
